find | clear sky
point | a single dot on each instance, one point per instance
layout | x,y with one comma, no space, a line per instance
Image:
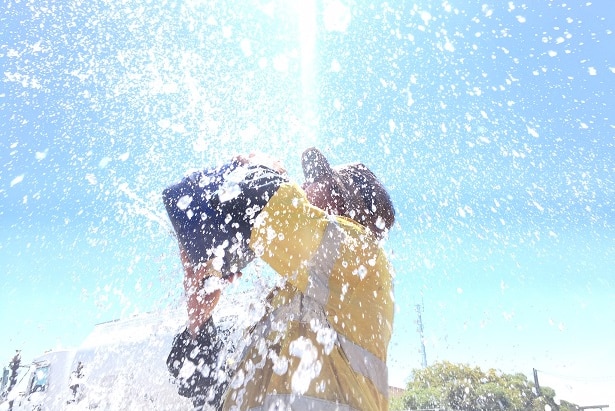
492,124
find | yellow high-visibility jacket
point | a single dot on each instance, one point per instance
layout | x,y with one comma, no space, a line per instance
323,343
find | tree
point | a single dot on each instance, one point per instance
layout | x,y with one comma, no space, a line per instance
460,387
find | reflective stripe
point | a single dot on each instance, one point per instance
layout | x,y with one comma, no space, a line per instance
322,262
320,266
367,364
300,308
284,402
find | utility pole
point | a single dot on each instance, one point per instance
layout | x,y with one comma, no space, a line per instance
419,322
536,385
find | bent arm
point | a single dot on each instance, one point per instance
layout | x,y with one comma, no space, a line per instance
211,212
200,301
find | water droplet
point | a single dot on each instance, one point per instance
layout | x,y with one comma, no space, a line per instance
183,203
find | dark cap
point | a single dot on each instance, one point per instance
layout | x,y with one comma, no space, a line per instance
315,165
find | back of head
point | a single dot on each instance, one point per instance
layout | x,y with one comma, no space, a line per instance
377,211
365,199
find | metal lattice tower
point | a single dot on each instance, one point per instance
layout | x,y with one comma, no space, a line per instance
419,322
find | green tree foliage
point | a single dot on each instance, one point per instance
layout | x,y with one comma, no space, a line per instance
456,387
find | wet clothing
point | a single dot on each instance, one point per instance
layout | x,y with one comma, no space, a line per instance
212,211
198,366
323,343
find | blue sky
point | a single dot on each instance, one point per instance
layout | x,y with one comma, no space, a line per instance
491,124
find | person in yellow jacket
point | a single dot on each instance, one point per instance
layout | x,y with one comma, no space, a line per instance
322,345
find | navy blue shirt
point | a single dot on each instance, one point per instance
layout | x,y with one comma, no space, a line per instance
213,210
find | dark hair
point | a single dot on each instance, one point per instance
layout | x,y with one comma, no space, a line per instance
378,204
377,213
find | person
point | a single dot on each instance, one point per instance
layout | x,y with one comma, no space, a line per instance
323,341
14,367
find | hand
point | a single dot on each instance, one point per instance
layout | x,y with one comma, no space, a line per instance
263,159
